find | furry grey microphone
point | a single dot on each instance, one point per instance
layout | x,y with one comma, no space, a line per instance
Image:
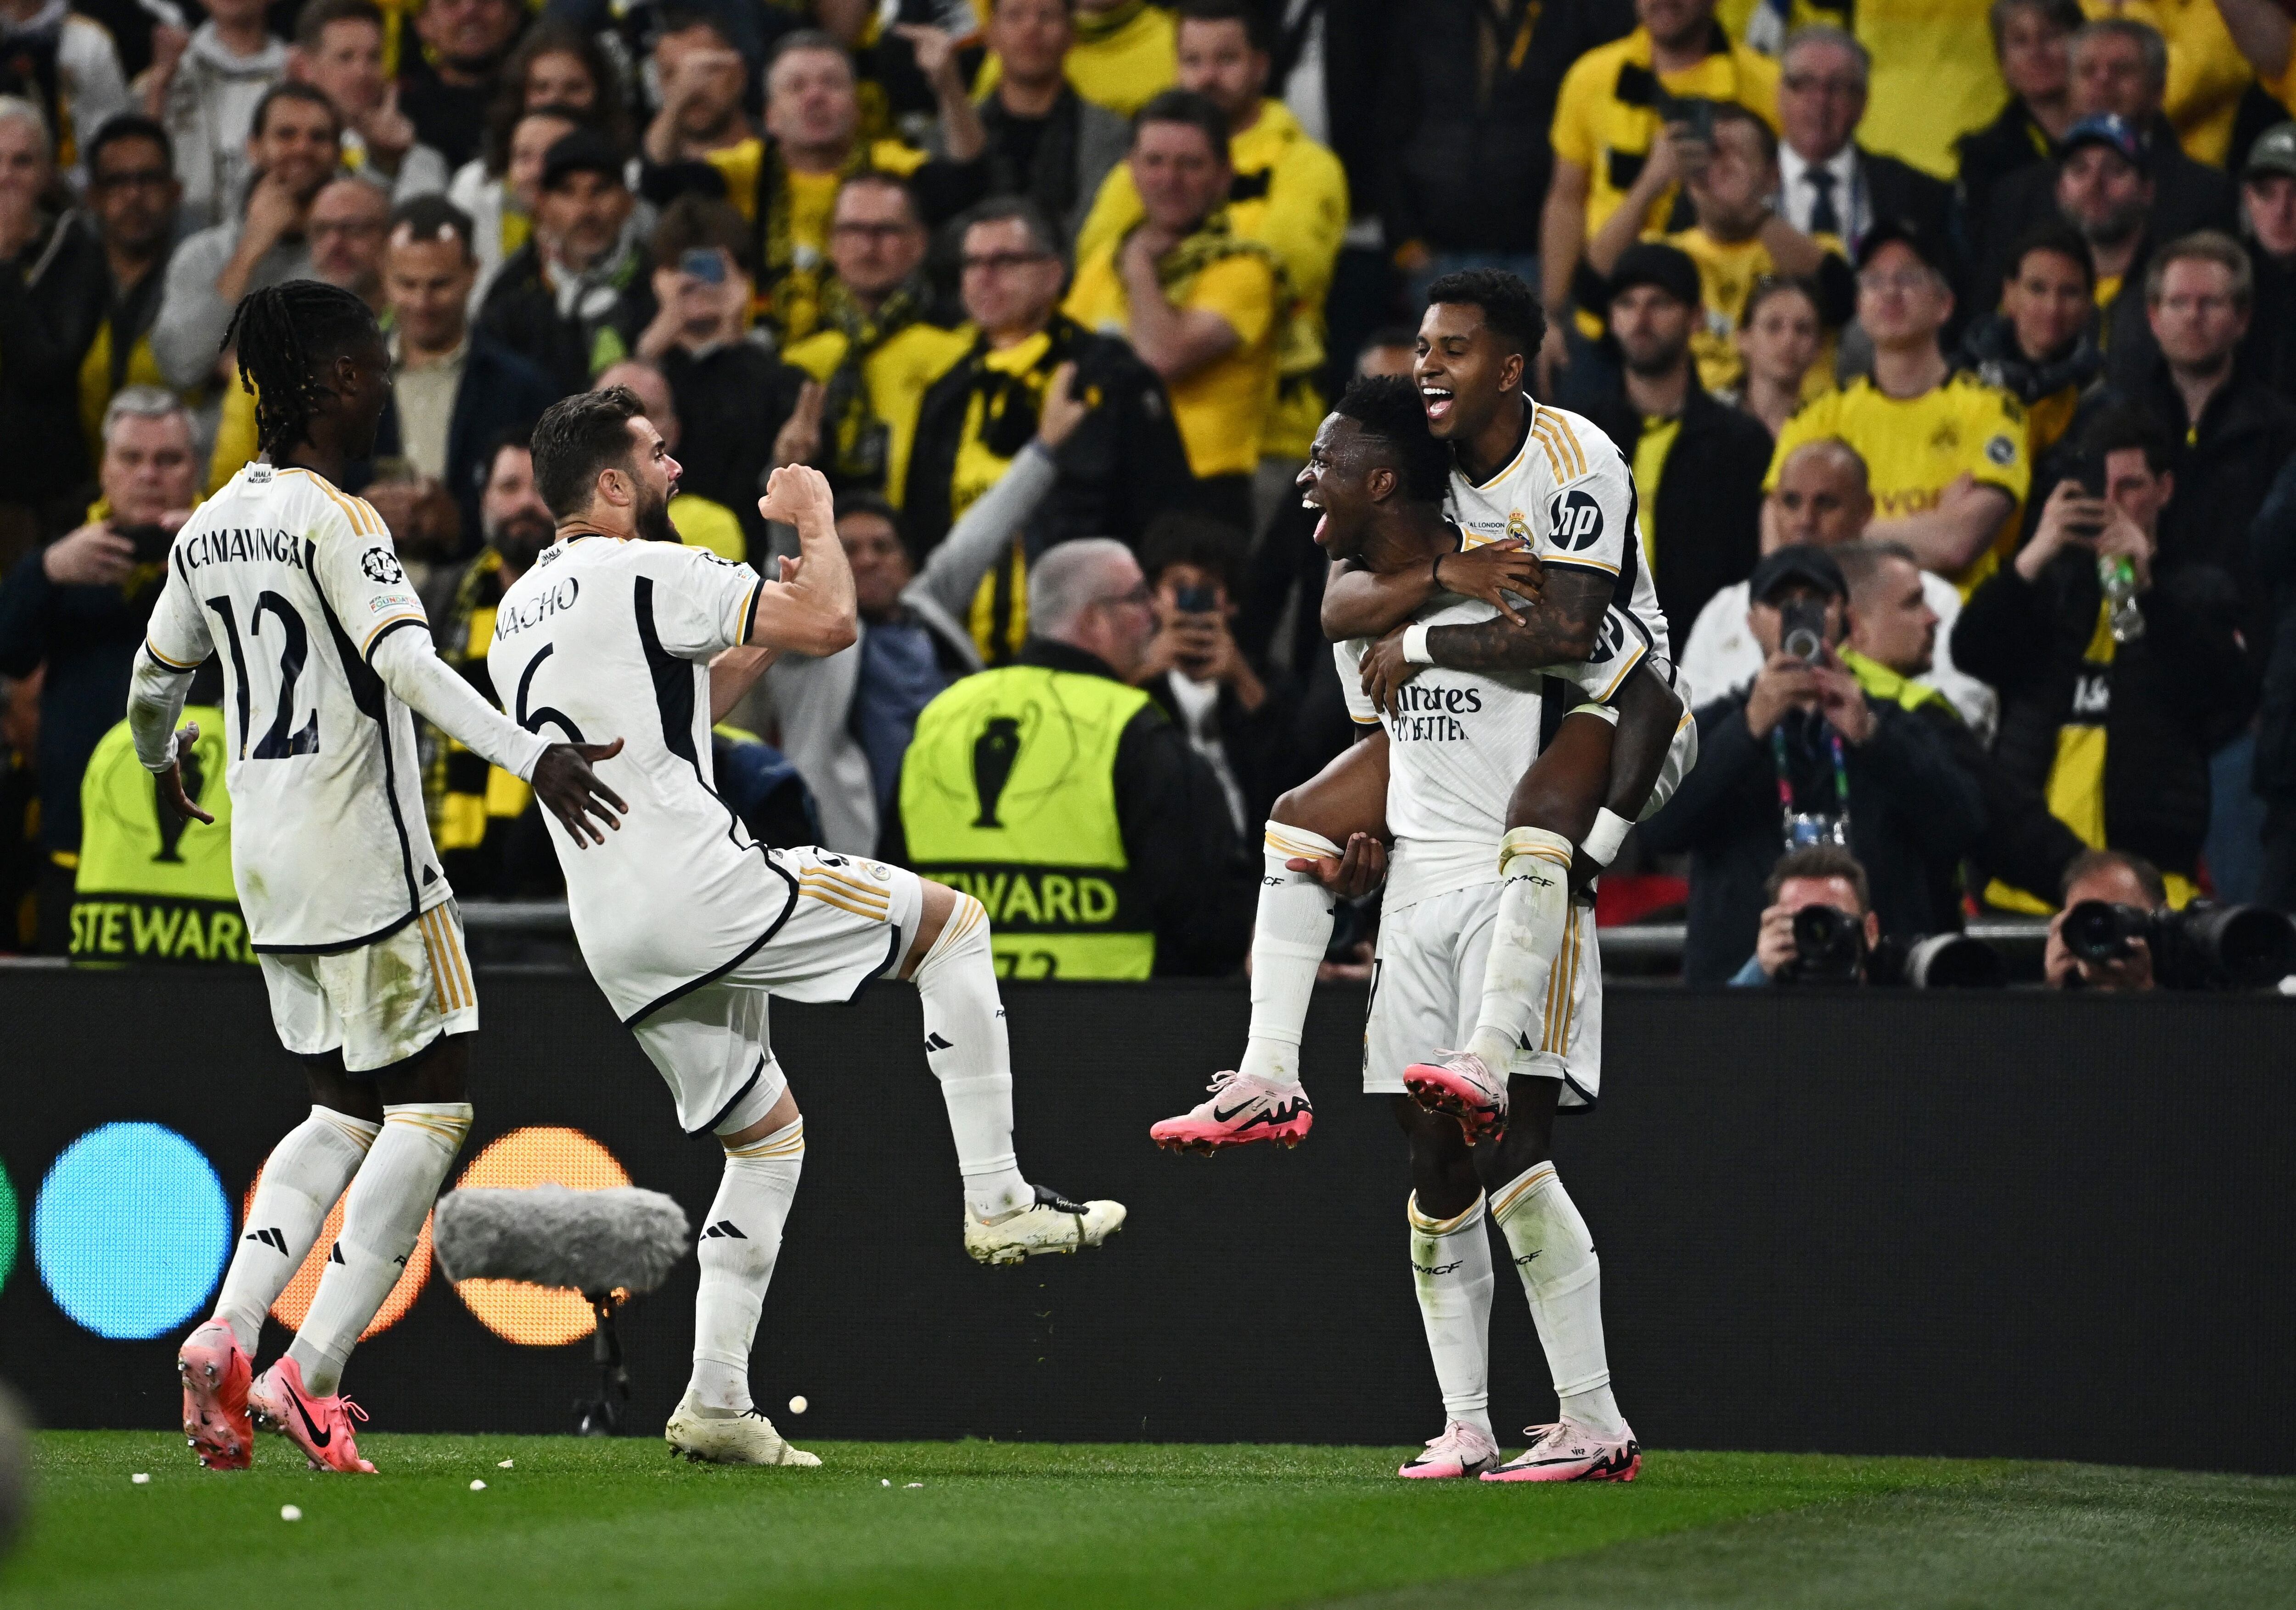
623,1239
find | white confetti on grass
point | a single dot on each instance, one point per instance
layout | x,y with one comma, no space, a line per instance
288,1512
141,1478
796,1404
884,1481
916,1484
503,1464
477,1485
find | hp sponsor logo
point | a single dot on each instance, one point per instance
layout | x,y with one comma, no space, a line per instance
1575,519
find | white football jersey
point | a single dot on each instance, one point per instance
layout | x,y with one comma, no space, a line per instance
1463,740
1570,496
297,582
606,639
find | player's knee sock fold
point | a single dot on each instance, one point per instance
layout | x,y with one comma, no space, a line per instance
1534,909
1451,1269
302,1179
383,1213
1288,942
1555,1255
966,1048
737,1249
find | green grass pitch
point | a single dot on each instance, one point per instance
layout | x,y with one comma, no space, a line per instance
575,1523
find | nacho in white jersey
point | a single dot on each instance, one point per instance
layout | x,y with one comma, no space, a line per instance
1461,742
296,583
606,639
1570,495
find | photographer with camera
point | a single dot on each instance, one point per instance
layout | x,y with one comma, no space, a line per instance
1804,756
1819,924
2118,931
2123,883
2115,683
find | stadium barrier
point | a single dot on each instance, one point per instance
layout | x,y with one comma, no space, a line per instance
2010,1225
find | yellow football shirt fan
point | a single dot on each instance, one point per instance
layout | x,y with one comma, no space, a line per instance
1606,115
2207,73
1291,194
1915,447
1120,59
908,361
1223,409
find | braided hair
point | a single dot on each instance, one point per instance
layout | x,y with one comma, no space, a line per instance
285,335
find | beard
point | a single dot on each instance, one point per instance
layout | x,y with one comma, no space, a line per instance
653,520
521,538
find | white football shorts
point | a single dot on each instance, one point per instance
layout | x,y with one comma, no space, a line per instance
379,1003
1427,991
851,922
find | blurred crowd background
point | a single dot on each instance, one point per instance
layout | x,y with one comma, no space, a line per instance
1952,346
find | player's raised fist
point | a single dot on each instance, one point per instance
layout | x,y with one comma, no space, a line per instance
797,494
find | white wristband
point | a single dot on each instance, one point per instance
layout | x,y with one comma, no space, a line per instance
1602,842
1414,645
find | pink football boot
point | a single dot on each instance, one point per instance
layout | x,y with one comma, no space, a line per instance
320,1426
1459,1086
215,1374
1462,1451
1243,1108
1566,1452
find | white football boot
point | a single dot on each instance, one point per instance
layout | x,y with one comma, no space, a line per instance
741,1439
1053,1223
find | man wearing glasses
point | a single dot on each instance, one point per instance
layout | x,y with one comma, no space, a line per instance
1946,453
1828,183
878,345
1123,466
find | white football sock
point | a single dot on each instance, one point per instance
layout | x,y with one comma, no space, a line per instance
1534,909
966,1048
302,1178
1288,942
382,1216
1563,1279
1451,1266
736,1250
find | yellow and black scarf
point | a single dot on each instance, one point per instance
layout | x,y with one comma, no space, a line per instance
859,441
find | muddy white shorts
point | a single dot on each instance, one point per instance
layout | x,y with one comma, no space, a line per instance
1427,991
379,1003
851,921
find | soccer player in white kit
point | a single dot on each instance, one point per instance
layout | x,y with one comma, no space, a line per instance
688,924
1457,744
325,649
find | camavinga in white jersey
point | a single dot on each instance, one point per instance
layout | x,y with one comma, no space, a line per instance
298,584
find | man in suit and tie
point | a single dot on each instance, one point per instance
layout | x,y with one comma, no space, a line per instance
1828,183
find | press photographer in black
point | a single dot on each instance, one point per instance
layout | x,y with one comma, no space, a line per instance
2116,931
1820,917
1803,757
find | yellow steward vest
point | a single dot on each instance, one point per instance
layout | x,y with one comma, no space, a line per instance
1008,793
150,890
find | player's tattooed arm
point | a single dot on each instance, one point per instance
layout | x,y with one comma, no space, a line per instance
1560,630
1358,602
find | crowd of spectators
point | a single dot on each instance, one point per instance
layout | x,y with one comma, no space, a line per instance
1952,348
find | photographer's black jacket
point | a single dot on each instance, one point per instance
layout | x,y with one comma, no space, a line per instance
2169,697
1913,814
